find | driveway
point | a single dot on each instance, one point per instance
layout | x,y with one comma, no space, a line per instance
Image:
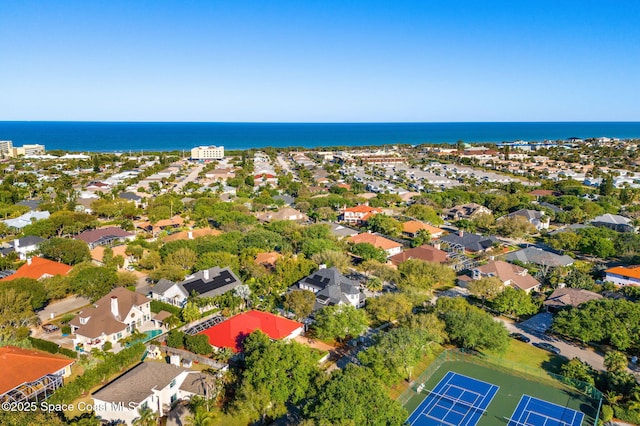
62,307
535,327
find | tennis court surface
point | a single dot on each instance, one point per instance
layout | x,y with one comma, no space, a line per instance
456,400
537,412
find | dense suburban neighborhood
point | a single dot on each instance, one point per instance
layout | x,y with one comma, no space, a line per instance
268,286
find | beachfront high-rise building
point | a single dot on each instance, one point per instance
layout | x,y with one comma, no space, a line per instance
207,153
6,147
8,150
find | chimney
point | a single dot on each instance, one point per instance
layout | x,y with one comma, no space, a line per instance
437,245
190,235
205,274
114,307
29,261
16,243
461,233
322,266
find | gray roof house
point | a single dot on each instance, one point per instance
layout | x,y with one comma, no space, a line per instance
615,222
340,231
534,217
26,219
151,384
208,283
332,288
463,241
541,257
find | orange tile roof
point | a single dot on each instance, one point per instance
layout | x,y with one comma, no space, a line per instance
195,233
98,252
375,240
175,221
363,209
20,366
39,268
414,226
625,272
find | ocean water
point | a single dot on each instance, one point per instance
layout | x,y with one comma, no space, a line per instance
136,136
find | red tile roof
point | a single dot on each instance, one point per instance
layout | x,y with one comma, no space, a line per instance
375,240
362,209
20,366
39,268
230,333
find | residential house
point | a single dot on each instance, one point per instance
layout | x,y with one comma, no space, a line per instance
98,186
613,221
39,268
29,376
220,175
232,332
191,234
340,231
113,317
286,213
413,227
511,275
623,276
97,254
569,297
466,211
534,217
358,214
133,197
542,193
467,242
539,257
105,236
332,288
26,219
207,283
24,246
425,252
154,385
389,246
32,204
262,179
162,225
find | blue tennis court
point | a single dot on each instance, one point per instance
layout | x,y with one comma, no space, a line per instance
537,412
457,400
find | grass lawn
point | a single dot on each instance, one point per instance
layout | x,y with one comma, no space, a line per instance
397,390
526,357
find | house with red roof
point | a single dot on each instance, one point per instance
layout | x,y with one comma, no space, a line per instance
358,214
29,375
621,275
231,333
389,246
39,268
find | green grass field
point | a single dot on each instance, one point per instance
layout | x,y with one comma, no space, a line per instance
511,390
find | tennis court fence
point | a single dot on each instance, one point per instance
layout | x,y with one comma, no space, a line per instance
500,364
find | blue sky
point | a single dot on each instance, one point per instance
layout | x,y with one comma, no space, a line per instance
335,61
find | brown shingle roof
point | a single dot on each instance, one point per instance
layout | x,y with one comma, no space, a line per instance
507,272
101,320
563,297
96,234
375,240
425,252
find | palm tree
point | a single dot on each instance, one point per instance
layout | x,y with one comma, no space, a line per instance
200,417
147,417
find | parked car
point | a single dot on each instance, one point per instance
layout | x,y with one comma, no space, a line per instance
520,336
50,328
547,347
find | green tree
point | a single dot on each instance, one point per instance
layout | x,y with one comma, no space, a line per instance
486,288
190,312
367,251
333,258
425,213
16,311
146,417
92,282
385,225
389,307
424,276
470,327
579,370
300,302
65,250
515,302
354,396
615,362
514,227
340,322
198,344
184,258
175,339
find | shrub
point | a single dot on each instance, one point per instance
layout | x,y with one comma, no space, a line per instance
175,339
157,306
66,318
43,345
198,344
68,352
107,346
66,329
607,413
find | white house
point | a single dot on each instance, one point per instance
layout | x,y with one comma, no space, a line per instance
113,317
152,385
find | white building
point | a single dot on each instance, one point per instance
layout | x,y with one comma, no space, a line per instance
207,153
152,385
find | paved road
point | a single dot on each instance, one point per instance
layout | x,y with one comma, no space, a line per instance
568,350
192,176
62,307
